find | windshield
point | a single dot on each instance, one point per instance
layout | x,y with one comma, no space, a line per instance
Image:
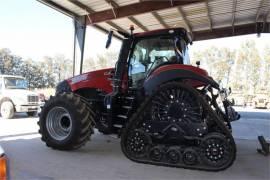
15,83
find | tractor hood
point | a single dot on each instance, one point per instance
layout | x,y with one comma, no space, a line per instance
95,79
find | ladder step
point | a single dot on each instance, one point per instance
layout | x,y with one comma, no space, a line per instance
118,125
122,116
126,107
129,97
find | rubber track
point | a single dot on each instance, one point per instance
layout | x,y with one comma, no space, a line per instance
138,117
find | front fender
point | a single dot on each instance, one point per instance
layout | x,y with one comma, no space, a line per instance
63,86
196,80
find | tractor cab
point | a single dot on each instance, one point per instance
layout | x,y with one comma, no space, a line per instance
153,52
144,53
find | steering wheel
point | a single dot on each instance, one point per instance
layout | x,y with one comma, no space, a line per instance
161,59
158,61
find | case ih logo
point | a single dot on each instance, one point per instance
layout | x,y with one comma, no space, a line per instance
78,78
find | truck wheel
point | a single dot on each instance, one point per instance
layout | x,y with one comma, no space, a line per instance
65,122
7,110
31,114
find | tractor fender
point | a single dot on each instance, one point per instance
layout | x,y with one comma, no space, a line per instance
62,86
196,80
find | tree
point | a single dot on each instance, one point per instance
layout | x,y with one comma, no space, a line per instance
48,69
248,67
9,64
107,59
266,68
217,61
62,67
89,65
56,69
35,73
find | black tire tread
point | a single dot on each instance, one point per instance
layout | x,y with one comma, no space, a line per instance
84,116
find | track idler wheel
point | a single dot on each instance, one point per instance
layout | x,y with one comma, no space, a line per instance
190,156
156,153
138,143
216,150
173,155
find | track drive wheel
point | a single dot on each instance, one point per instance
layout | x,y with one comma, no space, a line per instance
65,122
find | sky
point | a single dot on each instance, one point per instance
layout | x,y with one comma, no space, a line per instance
32,30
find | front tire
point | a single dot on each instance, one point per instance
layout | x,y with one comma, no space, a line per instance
7,110
65,122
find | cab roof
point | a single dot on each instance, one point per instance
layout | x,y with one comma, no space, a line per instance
162,32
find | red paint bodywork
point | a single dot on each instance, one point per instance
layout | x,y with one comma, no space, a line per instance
194,69
100,79
95,80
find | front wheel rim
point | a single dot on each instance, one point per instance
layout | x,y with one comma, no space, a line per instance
5,109
58,123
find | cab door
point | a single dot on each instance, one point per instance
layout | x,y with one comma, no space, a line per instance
148,54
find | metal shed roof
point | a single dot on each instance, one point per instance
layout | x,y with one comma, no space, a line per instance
205,19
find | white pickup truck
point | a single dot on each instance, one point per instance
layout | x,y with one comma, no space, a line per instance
15,97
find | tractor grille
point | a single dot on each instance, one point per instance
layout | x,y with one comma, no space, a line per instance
32,99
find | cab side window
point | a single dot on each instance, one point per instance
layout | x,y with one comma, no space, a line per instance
147,55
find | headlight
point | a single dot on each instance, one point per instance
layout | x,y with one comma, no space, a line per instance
3,164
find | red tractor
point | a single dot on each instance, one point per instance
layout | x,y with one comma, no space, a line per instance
164,109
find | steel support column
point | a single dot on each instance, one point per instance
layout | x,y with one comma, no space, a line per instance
79,41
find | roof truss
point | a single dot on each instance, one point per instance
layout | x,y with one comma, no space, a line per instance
135,9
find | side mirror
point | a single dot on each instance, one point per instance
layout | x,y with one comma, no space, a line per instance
109,40
190,38
233,102
230,90
198,63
